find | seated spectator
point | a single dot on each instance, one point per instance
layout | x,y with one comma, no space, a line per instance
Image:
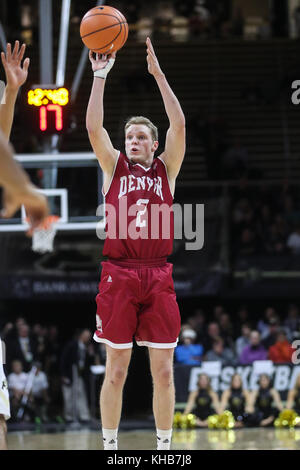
293,398
243,340
237,400
40,393
242,318
293,241
263,412
203,402
220,353
17,380
255,351
197,323
189,353
281,351
263,324
271,338
226,329
213,332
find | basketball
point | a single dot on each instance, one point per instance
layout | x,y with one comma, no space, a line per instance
104,30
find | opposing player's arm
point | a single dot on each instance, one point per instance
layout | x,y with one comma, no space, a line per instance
175,140
16,75
99,138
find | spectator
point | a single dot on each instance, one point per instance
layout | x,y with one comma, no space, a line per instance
17,380
40,393
213,332
255,351
75,367
242,318
293,398
237,400
271,338
281,351
293,241
203,402
220,353
217,313
263,411
263,324
226,329
243,340
197,323
23,347
189,353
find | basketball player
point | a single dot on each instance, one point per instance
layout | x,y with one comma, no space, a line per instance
136,293
18,189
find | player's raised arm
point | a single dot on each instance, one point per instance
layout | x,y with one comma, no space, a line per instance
16,75
98,136
175,141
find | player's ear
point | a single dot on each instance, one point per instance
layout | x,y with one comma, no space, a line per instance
155,145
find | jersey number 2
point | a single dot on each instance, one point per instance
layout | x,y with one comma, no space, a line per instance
139,221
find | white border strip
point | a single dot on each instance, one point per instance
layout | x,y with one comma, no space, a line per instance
157,345
112,345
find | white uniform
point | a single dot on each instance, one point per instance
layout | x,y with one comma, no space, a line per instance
4,398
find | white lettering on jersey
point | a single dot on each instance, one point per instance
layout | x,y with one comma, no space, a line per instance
123,186
139,182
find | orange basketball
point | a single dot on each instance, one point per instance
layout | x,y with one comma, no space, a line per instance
104,29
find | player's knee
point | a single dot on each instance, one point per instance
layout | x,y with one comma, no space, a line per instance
117,375
163,376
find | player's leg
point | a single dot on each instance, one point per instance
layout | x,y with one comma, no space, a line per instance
161,365
117,362
3,433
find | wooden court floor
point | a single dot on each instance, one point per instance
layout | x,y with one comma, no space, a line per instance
242,439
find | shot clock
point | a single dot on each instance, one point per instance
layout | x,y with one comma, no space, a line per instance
49,105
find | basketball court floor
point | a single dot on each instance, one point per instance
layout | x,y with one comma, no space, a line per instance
242,439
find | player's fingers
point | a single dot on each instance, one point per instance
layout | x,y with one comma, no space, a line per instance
8,51
15,50
3,59
91,56
21,52
26,64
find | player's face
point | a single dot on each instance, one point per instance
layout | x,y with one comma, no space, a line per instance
139,143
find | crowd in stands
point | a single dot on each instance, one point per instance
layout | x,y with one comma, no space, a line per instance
45,373
265,220
241,341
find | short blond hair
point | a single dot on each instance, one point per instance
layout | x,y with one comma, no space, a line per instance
146,122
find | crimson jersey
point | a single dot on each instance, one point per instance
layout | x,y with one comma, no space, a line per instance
139,215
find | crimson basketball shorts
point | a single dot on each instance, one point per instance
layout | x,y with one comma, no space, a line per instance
136,299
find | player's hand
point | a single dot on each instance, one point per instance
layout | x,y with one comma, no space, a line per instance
35,204
101,61
153,64
16,73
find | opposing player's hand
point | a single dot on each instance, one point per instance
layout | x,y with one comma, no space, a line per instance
16,73
35,204
153,64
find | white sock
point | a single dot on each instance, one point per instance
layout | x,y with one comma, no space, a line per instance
163,439
110,439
